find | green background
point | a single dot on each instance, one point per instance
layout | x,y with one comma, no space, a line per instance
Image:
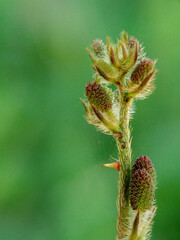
51,183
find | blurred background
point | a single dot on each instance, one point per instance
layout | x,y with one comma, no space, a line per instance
51,182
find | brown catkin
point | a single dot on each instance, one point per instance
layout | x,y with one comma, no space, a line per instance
141,70
99,96
144,162
141,190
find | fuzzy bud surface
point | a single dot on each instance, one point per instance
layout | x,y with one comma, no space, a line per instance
141,190
99,96
142,70
144,162
98,47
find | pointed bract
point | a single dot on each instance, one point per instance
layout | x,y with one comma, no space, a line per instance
115,165
113,127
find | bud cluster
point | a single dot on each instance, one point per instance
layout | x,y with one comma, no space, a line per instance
142,184
113,62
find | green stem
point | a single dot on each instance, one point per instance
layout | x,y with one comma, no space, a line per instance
124,148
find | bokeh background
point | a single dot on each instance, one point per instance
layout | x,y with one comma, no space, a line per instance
51,183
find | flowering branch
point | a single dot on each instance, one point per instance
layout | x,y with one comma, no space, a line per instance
124,64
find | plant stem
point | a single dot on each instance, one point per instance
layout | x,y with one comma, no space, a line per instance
124,148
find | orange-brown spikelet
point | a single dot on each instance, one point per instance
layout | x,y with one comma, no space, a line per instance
115,165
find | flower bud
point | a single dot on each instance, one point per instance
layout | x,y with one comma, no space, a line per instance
145,163
141,71
99,96
141,190
98,47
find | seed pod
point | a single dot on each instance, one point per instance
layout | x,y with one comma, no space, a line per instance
99,96
142,190
141,71
98,47
143,162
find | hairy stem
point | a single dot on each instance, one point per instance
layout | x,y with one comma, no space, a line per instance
124,148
